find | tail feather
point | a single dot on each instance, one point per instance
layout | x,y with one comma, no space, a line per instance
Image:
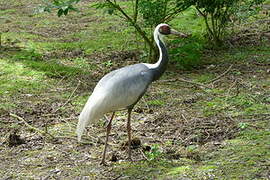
91,112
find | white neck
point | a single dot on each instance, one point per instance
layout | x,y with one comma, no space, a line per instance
157,37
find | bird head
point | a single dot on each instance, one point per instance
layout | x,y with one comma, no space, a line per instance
165,29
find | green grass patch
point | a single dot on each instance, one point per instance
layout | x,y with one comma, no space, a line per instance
15,76
51,68
156,102
205,77
246,54
244,157
145,169
235,105
7,11
240,158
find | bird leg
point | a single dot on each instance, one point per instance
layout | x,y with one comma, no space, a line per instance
109,126
129,134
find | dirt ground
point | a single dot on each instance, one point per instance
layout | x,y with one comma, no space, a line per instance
174,115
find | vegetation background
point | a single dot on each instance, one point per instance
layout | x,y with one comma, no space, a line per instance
207,118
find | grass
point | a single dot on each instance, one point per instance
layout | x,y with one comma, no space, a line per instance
18,77
248,151
242,157
235,105
49,65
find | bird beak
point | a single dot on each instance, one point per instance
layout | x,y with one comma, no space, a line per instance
182,35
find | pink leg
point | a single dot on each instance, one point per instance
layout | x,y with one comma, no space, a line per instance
109,126
129,134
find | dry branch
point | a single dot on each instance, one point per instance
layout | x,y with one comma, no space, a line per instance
200,85
69,98
31,127
220,76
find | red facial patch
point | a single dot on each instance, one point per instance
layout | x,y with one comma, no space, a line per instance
165,30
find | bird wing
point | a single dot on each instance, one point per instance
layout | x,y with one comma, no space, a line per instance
123,87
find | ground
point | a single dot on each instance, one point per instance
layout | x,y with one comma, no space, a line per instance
209,122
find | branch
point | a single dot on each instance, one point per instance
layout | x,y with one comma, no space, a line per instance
69,98
200,85
186,81
173,12
31,127
134,24
220,76
205,20
143,155
136,11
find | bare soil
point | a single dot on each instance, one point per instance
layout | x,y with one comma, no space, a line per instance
177,121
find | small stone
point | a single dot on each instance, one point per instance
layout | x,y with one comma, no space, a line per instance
114,157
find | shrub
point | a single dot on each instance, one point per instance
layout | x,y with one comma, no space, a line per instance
186,52
217,14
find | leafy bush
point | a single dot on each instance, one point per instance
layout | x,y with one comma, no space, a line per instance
153,11
186,52
63,7
145,15
217,14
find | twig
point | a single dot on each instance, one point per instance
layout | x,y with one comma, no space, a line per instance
29,126
220,76
61,80
183,116
69,98
200,85
186,81
143,155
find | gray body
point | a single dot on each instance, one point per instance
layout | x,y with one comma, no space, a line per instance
128,83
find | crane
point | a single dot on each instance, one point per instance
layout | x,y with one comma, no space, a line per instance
123,88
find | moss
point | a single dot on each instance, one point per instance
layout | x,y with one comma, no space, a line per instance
178,170
37,55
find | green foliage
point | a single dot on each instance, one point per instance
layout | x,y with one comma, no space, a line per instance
186,52
218,14
107,7
108,63
63,7
191,148
154,154
243,125
153,11
143,17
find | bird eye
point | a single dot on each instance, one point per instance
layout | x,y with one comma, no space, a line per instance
165,30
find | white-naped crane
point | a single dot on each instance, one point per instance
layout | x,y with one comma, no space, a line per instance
123,88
